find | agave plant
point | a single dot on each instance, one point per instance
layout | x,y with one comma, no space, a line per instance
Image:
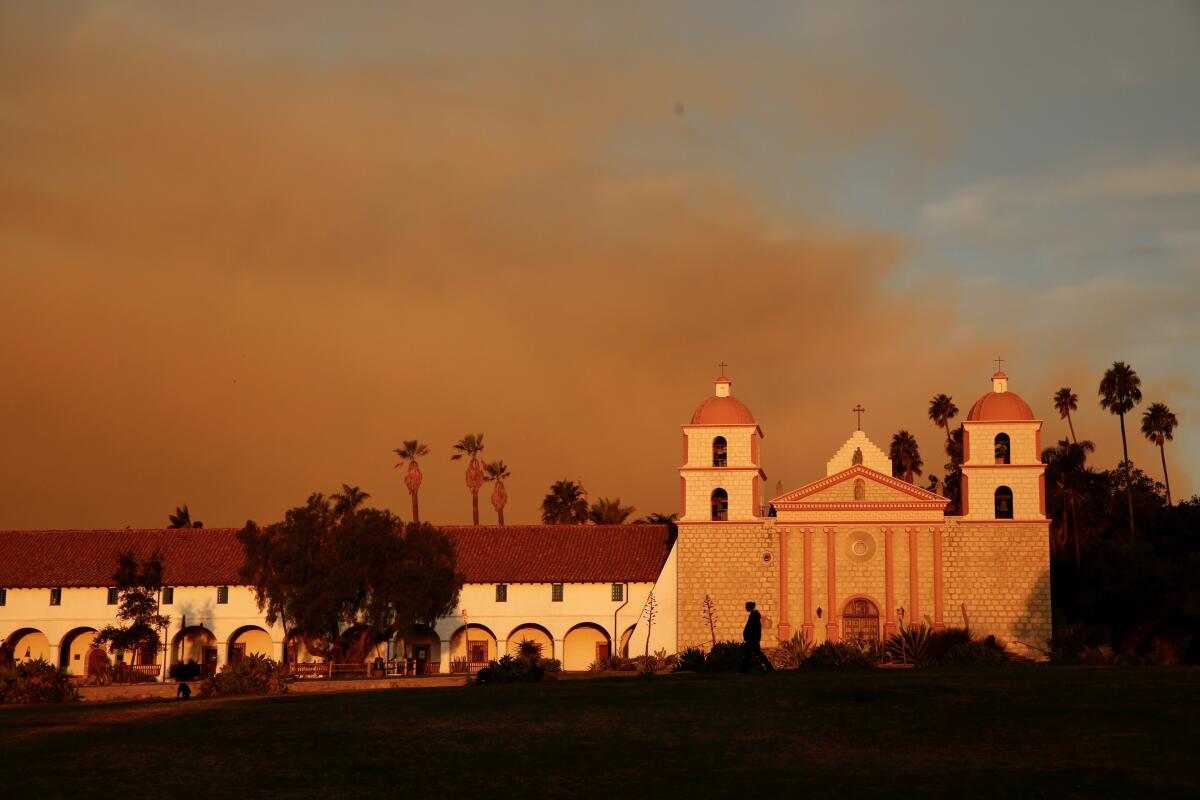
909,645
789,654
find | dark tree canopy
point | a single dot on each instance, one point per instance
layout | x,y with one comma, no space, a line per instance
328,567
565,504
138,586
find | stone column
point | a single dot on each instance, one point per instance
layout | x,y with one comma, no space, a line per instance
914,602
559,650
222,654
938,623
501,648
808,573
785,629
278,647
56,655
889,565
831,625
444,663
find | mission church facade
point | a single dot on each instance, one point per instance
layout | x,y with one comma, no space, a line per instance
853,555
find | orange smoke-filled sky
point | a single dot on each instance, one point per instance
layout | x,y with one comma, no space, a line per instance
247,251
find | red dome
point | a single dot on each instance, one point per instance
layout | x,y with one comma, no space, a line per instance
722,411
1000,407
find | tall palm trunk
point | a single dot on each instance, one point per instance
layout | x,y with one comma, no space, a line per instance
1071,425
474,508
1128,478
416,509
1163,452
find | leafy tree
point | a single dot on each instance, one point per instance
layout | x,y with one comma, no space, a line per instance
327,571
182,518
905,455
471,446
497,472
1158,425
609,512
410,452
1120,391
1066,401
565,504
138,586
348,500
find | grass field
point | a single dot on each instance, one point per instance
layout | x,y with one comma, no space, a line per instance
1011,731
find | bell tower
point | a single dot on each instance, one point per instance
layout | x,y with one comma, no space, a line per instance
721,480
1003,473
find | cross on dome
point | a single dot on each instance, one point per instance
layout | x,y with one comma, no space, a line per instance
999,361
722,365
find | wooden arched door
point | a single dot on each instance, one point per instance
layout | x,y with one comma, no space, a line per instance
860,621
97,660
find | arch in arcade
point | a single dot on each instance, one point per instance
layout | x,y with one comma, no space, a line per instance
27,644
250,640
78,654
585,644
478,646
534,633
195,643
626,641
420,650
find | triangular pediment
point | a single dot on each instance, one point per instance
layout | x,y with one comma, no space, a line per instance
879,490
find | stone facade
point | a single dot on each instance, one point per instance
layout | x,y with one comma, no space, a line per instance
859,534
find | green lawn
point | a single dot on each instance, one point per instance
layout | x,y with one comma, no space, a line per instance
1012,731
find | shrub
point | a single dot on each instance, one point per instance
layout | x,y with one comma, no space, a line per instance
986,653
511,669
185,672
36,681
839,655
791,653
551,665
910,645
724,657
690,660
253,674
1079,644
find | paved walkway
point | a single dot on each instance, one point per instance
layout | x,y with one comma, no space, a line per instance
160,691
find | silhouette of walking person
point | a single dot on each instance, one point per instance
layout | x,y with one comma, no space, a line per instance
184,692
752,635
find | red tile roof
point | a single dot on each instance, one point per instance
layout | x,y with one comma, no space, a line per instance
212,556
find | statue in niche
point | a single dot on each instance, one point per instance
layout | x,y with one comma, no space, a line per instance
860,489
858,457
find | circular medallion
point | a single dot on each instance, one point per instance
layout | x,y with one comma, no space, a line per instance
861,546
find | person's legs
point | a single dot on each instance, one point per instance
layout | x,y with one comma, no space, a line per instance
747,654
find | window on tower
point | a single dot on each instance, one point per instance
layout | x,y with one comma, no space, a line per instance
1004,503
1002,448
860,489
720,454
720,505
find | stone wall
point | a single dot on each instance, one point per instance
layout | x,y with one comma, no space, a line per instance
1000,572
725,561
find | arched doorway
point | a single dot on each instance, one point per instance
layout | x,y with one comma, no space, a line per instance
860,621
534,633
584,645
195,644
28,644
250,640
626,640
74,654
97,661
476,648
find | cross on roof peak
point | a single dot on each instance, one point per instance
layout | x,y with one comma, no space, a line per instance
858,412
722,365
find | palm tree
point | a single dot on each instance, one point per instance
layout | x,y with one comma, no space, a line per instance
941,411
412,479
182,518
1158,423
609,512
565,504
348,500
1067,401
471,446
1120,391
659,519
906,457
496,471
1068,475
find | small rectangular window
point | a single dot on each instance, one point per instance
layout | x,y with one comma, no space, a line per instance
168,595
222,594
3,597
556,592
112,597
56,597
501,592
618,592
